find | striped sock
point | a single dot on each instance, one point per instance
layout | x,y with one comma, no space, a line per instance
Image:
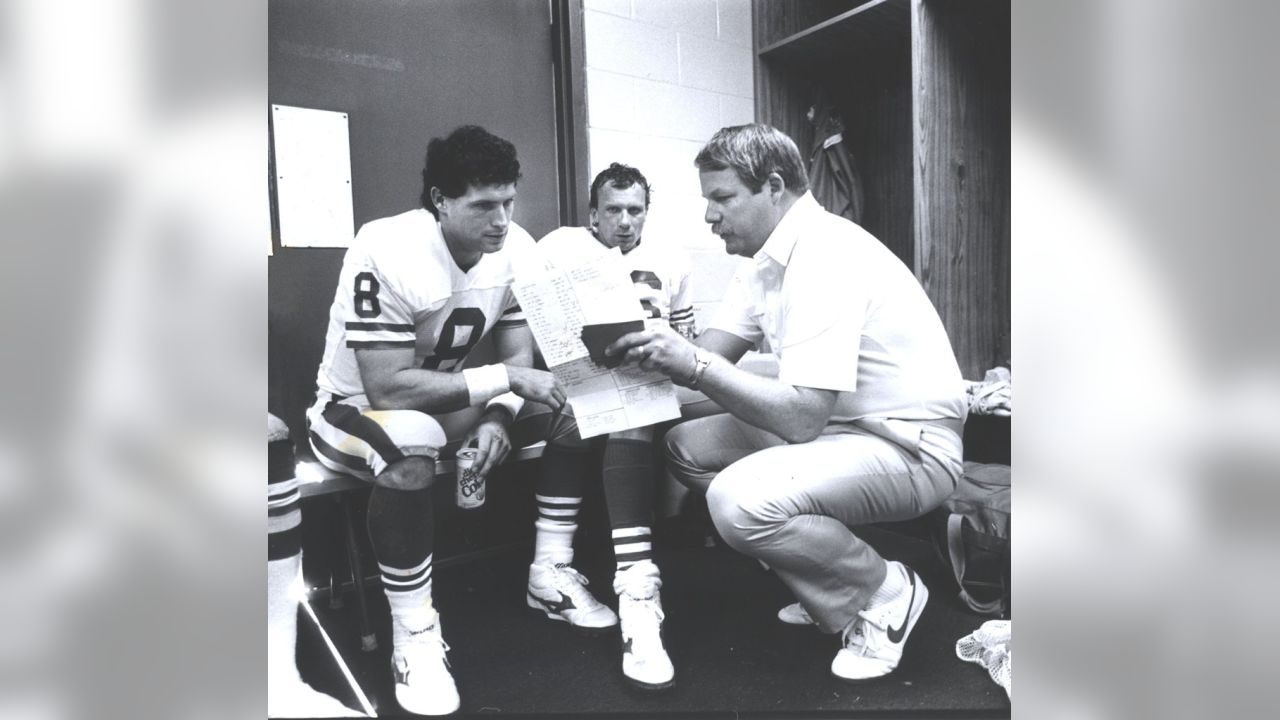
284,559
630,546
408,592
556,524
284,510
401,528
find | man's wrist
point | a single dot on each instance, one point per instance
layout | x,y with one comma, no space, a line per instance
701,361
499,412
508,401
486,382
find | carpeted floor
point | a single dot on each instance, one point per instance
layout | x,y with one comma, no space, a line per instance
733,657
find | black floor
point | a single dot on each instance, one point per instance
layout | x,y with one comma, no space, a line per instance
732,657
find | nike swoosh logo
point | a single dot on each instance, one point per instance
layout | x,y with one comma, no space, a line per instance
895,634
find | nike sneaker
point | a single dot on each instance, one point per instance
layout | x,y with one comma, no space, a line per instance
424,685
795,614
873,642
644,660
561,593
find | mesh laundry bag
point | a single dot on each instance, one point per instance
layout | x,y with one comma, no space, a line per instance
989,647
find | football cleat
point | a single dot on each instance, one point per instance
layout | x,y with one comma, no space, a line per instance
424,685
561,593
644,660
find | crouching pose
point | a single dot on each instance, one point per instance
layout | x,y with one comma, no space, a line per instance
863,422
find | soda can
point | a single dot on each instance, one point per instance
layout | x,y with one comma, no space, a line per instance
470,484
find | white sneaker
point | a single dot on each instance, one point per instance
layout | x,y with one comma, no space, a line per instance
644,661
561,593
795,614
423,683
873,642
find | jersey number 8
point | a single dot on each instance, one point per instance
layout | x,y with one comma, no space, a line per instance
366,296
448,355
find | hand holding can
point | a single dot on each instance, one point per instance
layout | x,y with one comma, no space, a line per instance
471,489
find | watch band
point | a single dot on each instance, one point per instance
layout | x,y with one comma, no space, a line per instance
701,360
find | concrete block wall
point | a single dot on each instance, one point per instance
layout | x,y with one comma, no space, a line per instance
662,77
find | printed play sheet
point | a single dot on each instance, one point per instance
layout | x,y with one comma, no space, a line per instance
559,302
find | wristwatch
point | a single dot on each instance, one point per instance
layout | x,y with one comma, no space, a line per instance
701,359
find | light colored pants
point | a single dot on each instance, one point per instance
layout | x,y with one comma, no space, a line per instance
350,437
793,506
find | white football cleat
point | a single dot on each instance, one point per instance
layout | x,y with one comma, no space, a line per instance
561,593
424,685
644,660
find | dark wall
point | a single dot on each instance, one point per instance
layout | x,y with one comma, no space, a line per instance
404,72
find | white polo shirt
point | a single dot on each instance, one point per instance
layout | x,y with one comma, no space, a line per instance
843,313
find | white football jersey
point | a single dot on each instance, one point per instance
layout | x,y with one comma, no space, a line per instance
660,274
400,287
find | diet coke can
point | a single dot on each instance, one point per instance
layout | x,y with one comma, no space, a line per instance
470,484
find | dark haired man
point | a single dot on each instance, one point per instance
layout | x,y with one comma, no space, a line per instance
619,203
416,293
863,422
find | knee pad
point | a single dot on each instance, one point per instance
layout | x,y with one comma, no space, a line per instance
414,472
411,432
276,429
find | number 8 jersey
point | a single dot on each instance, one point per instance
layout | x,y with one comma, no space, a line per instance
400,288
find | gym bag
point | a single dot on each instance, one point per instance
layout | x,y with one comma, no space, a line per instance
971,533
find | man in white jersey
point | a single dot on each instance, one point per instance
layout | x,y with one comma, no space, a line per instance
863,422
416,293
619,201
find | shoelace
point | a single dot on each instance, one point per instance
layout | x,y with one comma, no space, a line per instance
575,587
421,640
855,637
642,607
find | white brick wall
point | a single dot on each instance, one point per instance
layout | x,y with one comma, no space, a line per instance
662,77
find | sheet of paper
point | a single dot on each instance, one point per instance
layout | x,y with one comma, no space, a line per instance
558,303
313,177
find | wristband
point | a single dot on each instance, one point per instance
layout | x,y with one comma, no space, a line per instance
701,360
509,400
485,383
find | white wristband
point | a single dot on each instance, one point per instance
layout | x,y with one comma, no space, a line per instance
509,400
487,382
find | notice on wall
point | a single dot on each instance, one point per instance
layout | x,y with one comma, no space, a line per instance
559,303
312,176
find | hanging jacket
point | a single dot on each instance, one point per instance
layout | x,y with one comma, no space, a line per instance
832,177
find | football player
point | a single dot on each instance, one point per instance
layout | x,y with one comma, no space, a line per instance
416,292
619,202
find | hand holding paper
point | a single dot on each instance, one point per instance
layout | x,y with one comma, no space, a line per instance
659,349
600,336
576,313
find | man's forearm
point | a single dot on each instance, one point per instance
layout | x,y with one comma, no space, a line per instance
429,391
794,414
